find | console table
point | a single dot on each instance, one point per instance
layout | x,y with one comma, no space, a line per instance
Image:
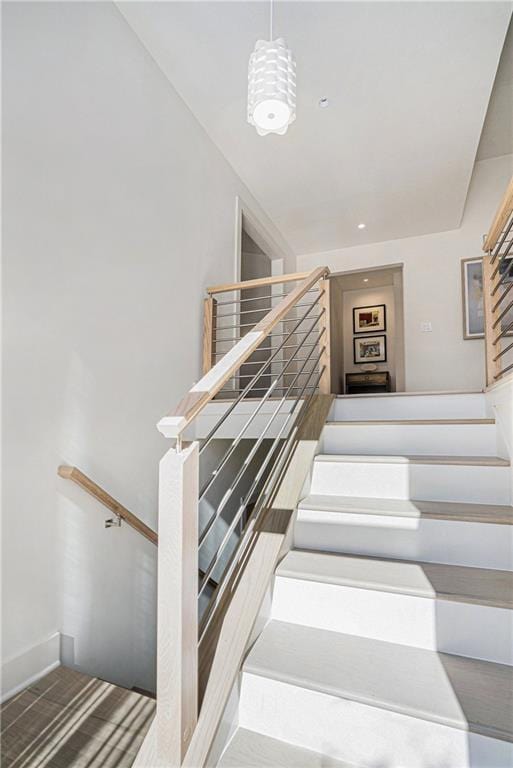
360,383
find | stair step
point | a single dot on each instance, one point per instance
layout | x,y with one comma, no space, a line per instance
414,405
248,749
480,586
406,422
426,605
472,479
468,437
498,514
465,461
337,684
455,533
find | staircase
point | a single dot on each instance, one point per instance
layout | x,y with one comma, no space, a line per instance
389,641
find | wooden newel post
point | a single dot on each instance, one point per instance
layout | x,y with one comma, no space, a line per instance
177,605
325,380
209,327
491,319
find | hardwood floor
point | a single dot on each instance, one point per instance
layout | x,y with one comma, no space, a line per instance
69,720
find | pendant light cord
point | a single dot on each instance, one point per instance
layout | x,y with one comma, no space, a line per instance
271,21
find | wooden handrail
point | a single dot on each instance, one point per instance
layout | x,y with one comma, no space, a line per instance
503,213
78,477
208,386
258,282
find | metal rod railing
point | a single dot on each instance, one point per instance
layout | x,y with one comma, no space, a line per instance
243,504
248,459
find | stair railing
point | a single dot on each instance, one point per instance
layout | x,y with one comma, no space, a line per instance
497,285
275,358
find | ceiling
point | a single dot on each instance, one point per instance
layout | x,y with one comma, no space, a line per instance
408,85
497,136
366,279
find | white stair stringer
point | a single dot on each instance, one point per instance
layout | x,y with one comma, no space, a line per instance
375,703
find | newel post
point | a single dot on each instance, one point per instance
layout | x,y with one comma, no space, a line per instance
325,359
177,604
209,327
491,319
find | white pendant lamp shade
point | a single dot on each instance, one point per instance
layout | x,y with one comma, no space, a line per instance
271,87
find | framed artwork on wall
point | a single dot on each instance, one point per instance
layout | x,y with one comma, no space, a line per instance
473,301
370,319
370,349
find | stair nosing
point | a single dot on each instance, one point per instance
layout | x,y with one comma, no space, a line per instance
409,422
486,514
285,572
330,689
408,459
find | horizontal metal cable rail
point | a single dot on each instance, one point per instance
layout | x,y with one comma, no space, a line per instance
265,355
497,284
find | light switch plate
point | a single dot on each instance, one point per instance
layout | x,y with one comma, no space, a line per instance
426,327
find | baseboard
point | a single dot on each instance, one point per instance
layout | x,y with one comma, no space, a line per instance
23,669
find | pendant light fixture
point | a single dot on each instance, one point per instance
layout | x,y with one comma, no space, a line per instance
271,85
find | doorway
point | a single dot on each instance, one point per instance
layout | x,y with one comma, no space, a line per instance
367,331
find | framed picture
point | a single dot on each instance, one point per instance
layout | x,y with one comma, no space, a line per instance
473,302
370,349
370,319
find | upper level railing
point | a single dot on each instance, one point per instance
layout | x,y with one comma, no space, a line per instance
266,354
497,285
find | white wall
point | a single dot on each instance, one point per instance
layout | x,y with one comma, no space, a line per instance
118,211
442,359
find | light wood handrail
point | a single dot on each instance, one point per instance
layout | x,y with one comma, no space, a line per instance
208,386
504,211
78,477
258,282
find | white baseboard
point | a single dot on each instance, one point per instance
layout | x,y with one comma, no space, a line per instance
23,669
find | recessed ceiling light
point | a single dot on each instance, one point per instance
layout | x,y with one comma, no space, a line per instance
365,279
361,226
323,103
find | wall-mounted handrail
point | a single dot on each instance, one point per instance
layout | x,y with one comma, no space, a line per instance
78,477
497,284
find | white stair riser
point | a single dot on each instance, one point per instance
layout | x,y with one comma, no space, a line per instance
416,439
439,541
436,482
471,406
424,622
358,733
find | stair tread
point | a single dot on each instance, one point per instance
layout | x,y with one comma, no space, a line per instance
482,586
348,458
459,692
405,422
499,514
249,749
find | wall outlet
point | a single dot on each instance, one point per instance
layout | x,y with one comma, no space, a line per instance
426,327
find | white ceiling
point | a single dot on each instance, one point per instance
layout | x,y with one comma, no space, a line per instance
366,279
408,85
497,136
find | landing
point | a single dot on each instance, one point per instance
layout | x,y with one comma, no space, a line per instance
69,719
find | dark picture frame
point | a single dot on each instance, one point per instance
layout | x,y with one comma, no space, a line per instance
370,327
369,342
